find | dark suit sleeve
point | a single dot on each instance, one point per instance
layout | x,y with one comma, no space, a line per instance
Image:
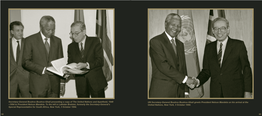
60,51
204,75
246,68
159,58
99,58
27,59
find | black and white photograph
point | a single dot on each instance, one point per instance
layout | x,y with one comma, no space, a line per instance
201,53
61,53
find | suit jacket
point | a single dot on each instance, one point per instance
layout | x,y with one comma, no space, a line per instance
17,72
35,58
167,71
234,77
93,54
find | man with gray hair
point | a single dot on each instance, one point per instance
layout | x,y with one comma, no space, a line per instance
226,62
87,52
169,74
40,49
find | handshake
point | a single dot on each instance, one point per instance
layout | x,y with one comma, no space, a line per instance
192,82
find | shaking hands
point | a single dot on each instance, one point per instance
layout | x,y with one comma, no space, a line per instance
192,82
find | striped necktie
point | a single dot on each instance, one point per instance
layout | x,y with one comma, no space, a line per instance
219,55
82,50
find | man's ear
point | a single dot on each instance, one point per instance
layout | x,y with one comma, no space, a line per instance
84,31
12,32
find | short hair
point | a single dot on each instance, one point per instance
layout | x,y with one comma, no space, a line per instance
219,19
18,23
82,25
170,16
45,19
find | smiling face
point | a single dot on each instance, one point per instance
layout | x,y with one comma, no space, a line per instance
173,26
17,31
220,30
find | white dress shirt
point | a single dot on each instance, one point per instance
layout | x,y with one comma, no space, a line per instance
79,45
170,38
223,48
48,41
14,46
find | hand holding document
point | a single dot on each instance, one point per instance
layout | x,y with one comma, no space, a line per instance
60,67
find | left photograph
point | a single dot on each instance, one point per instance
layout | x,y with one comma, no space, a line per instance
61,53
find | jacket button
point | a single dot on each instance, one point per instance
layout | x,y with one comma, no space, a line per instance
221,73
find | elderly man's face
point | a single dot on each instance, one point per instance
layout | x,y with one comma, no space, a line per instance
48,29
173,27
17,31
76,34
220,30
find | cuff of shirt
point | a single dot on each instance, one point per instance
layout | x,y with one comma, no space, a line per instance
88,66
185,79
44,70
186,93
198,82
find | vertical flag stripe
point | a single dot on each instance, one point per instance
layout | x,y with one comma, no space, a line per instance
79,15
101,31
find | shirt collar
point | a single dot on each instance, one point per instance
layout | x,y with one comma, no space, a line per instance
13,39
43,36
168,36
83,41
224,42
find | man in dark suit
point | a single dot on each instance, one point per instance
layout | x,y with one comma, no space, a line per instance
40,49
168,62
19,78
87,52
226,62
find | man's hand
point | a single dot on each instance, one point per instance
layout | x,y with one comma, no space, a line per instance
247,95
81,65
191,82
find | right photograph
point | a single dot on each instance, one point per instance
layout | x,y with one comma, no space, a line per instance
201,53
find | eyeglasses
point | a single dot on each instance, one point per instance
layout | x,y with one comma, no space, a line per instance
74,34
221,29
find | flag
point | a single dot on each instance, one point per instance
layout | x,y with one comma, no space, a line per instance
187,36
79,16
102,31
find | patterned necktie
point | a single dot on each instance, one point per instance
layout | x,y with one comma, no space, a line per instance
46,46
82,50
17,51
219,55
174,46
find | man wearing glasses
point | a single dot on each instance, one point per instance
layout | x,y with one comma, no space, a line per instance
40,49
87,52
226,62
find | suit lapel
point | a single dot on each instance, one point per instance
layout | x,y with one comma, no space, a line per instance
21,51
227,50
169,48
11,50
41,46
52,48
214,52
87,45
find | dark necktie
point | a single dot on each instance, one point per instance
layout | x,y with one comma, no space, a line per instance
219,55
174,46
82,50
17,51
46,46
